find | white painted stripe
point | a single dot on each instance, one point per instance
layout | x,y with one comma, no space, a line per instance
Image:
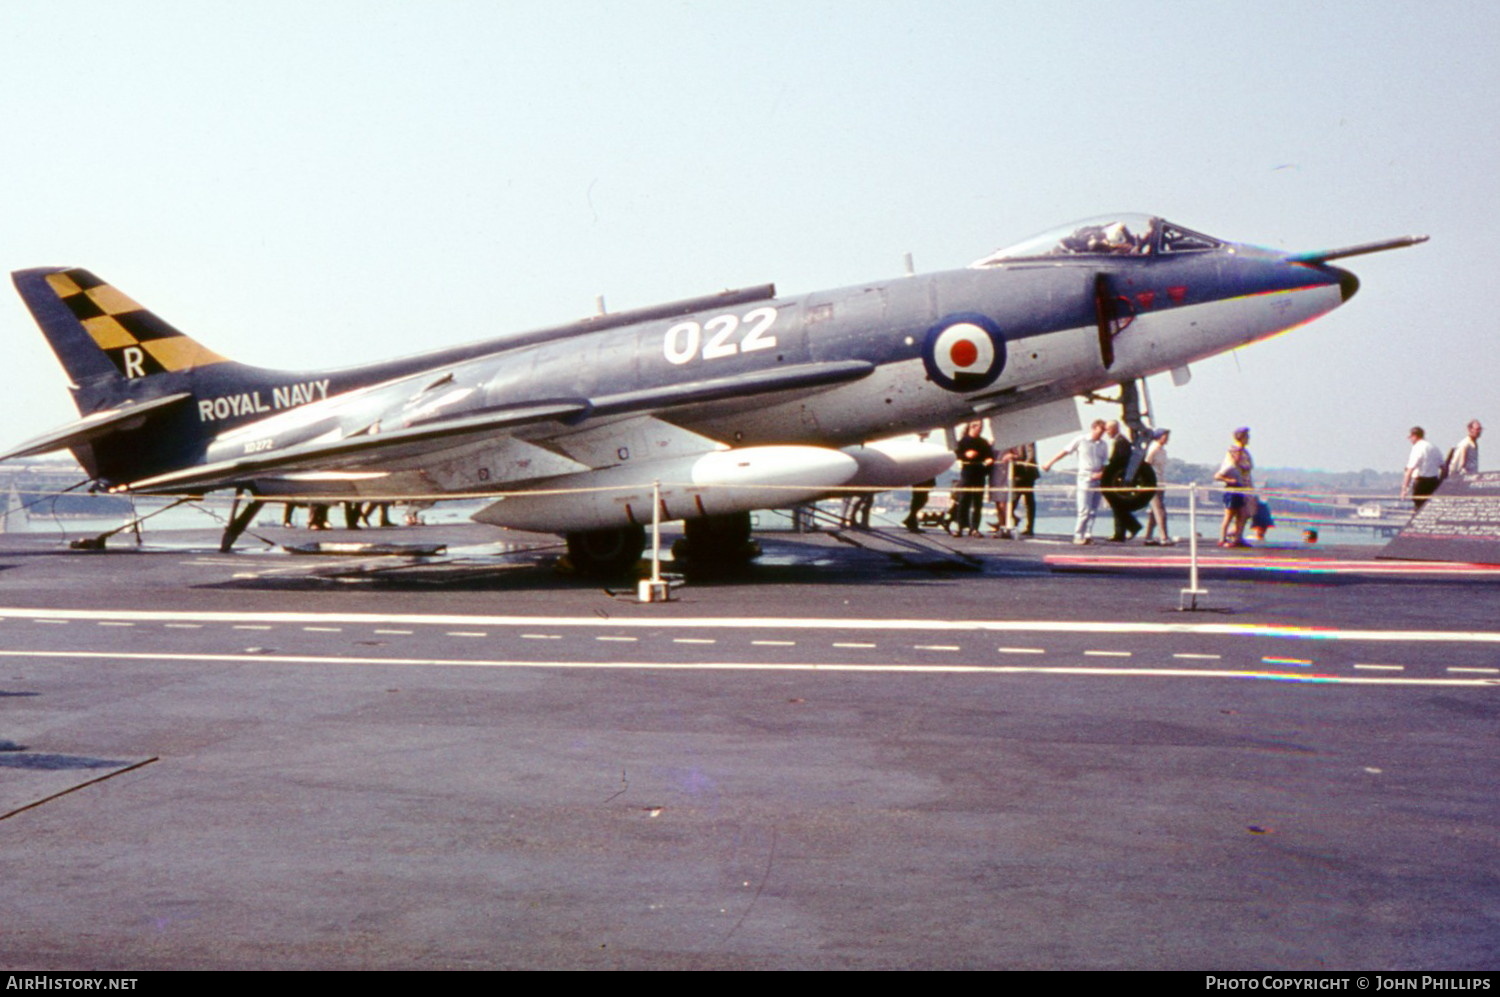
467,633
1476,671
629,639
323,630
378,631
731,666
1200,657
255,626
115,623
768,623
851,644
1106,654
1383,668
541,636
187,626
937,647
774,643
1021,650
694,640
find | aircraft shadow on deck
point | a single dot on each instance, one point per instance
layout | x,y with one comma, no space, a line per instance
56,763
782,564
16,756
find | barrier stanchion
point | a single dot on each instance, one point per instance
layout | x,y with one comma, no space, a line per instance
1188,598
653,589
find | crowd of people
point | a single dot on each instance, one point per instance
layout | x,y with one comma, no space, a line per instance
1010,478
1107,471
1105,474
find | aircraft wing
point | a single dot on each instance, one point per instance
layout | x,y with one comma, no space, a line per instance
809,375
362,451
366,452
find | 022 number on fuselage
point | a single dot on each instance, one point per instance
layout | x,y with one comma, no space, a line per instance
715,338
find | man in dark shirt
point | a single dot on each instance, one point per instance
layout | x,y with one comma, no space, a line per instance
975,455
1126,525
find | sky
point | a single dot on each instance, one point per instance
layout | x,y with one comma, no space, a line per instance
319,184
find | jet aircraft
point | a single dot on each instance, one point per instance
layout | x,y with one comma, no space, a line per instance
728,402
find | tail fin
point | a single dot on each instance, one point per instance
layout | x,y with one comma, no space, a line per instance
135,378
102,337
153,399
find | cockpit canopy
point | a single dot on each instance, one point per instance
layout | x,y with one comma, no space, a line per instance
1107,235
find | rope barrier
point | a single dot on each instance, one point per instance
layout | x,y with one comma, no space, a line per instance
1193,491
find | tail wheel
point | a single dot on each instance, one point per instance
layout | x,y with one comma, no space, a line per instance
606,553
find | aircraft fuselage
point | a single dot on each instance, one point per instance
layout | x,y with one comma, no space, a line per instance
1042,319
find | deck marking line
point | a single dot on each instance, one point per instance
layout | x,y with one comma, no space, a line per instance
769,623
753,666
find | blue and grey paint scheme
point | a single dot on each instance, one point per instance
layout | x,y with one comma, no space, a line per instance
808,383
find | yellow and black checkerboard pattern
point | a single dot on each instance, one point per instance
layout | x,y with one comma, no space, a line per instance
136,340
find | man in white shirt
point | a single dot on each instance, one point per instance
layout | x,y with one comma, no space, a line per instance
1092,453
1424,468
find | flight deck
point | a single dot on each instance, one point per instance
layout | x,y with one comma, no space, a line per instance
1022,755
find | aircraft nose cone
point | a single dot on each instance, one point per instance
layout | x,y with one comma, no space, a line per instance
1348,283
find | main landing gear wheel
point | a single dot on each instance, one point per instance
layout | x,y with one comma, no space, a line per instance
716,542
606,553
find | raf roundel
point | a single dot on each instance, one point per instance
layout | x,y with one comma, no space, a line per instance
964,352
